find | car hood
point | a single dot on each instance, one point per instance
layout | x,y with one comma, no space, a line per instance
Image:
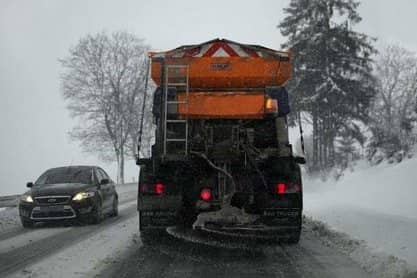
59,189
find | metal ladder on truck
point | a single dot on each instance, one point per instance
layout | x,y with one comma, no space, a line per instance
175,139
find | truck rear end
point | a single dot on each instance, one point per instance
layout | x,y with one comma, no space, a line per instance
221,161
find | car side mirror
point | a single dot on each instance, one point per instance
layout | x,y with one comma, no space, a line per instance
29,184
104,181
300,160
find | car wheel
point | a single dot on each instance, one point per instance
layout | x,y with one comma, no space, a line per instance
115,211
26,223
98,214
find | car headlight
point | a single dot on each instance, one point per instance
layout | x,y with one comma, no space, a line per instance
83,195
27,198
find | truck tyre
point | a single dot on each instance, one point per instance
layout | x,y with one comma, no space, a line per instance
27,223
146,237
152,236
294,238
186,217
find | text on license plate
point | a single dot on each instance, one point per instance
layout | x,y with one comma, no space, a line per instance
281,213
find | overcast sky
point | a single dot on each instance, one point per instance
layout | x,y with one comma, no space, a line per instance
34,122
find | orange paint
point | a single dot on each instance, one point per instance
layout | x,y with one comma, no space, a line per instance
225,79
225,105
229,72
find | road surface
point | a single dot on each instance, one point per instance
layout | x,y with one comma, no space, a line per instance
114,249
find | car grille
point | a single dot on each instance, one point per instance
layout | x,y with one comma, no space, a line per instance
52,212
52,200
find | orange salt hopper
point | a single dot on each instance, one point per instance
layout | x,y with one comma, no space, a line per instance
226,79
223,105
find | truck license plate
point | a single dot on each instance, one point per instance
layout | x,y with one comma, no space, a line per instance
281,213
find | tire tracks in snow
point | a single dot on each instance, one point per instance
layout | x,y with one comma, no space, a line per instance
35,251
10,233
173,258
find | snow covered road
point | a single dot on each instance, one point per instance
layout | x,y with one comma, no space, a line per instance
168,257
114,249
30,252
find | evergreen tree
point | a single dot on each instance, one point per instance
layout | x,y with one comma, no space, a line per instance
332,78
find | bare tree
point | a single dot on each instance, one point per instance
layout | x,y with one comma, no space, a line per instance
104,83
394,108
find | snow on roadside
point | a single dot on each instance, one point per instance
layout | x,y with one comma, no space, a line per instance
30,236
9,218
371,260
386,188
386,233
128,187
88,257
374,204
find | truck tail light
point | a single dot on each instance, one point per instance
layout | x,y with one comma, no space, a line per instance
285,188
158,188
280,188
271,105
205,194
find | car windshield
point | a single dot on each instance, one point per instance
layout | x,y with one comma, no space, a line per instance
65,175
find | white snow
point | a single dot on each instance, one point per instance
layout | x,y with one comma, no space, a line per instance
374,204
29,237
378,263
9,219
386,188
88,257
128,187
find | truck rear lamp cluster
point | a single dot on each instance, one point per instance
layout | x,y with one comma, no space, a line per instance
157,188
271,105
285,188
205,194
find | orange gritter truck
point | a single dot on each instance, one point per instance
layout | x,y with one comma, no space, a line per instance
221,163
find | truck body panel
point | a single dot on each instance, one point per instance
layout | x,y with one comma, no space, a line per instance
225,65
223,105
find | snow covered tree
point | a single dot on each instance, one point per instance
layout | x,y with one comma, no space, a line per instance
393,114
103,81
332,78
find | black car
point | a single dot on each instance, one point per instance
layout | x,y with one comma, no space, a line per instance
84,193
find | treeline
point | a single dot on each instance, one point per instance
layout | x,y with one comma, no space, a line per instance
359,101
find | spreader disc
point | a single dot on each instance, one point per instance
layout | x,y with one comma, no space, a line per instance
214,239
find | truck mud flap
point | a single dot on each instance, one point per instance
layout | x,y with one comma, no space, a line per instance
157,219
164,203
157,212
